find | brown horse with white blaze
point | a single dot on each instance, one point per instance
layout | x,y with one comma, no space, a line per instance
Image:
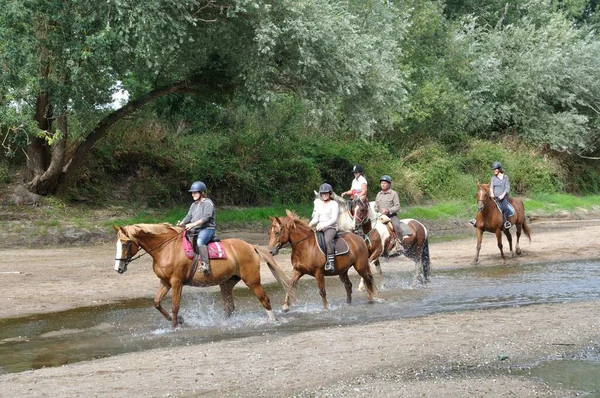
489,219
164,243
308,259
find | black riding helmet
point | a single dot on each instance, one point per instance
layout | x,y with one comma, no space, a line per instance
386,178
496,165
357,168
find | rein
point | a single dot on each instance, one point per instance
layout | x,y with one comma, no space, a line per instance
290,242
129,259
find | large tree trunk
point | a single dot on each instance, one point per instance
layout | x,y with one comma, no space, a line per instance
46,174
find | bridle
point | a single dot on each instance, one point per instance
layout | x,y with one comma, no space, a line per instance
292,244
129,257
482,198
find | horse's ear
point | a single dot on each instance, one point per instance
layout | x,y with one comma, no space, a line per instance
116,228
278,220
316,194
289,213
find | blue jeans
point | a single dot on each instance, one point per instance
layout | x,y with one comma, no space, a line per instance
204,236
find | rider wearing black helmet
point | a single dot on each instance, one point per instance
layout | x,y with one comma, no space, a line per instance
324,218
358,189
499,189
201,221
388,202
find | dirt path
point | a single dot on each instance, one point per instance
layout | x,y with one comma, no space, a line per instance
446,355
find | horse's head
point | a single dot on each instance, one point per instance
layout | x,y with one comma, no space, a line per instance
282,229
482,195
127,247
361,213
278,235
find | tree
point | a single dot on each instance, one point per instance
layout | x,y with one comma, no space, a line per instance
61,61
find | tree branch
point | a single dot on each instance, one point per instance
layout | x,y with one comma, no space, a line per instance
108,121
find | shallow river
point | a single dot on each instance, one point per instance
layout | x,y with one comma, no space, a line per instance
94,332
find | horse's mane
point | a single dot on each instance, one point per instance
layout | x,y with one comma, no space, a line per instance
341,201
151,229
293,218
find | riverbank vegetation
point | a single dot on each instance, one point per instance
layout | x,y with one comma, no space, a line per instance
264,110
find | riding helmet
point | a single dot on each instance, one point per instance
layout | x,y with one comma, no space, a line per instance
358,169
198,186
325,188
386,178
496,165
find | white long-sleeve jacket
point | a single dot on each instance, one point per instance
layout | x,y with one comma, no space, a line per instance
325,215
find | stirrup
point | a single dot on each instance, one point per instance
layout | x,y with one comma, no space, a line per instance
473,222
329,266
205,267
507,225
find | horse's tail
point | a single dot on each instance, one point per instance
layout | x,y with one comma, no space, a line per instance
526,228
425,259
276,270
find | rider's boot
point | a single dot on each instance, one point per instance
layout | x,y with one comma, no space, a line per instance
399,246
204,262
330,264
506,224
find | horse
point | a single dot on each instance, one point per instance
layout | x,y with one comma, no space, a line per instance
308,259
489,219
416,247
174,269
346,222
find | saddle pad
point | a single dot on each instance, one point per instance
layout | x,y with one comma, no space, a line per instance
341,247
215,249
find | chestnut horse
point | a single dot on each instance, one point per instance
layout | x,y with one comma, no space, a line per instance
308,259
164,243
489,219
416,247
346,222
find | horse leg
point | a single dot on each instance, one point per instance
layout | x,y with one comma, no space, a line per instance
293,282
348,285
227,295
418,273
499,238
163,289
321,285
509,238
177,287
365,273
517,248
478,248
264,299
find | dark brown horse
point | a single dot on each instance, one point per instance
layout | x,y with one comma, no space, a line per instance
164,243
308,259
489,219
416,247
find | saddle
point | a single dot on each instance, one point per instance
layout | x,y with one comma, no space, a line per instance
511,209
215,247
341,247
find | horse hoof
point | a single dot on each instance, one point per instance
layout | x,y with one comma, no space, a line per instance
180,320
361,288
519,252
378,300
285,308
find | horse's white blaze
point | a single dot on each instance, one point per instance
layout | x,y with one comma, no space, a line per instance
119,254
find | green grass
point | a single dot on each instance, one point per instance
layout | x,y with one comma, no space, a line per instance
227,217
550,204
